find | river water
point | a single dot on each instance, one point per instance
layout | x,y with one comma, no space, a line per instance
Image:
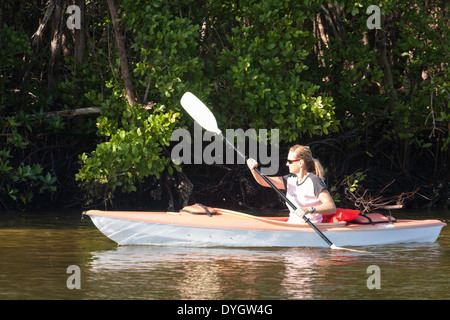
57,256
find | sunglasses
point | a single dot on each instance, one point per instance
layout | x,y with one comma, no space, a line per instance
292,161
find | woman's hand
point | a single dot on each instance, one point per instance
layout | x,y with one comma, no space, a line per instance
300,212
277,181
252,164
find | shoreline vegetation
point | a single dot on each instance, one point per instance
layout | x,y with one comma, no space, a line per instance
91,96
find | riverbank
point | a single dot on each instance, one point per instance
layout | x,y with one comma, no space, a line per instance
233,187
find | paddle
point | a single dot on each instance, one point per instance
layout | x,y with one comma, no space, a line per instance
204,117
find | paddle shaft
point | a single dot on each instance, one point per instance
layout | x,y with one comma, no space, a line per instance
280,193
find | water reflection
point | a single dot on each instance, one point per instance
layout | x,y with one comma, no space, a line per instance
219,273
305,268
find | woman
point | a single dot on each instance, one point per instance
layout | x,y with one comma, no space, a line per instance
304,185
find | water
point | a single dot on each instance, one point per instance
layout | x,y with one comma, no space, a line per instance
36,251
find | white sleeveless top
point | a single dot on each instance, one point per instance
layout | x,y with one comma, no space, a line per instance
304,194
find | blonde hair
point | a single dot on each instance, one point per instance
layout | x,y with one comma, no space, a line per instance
312,165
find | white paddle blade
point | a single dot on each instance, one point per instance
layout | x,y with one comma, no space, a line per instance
199,112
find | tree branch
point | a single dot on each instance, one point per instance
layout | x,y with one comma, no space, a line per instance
75,112
129,93
36,37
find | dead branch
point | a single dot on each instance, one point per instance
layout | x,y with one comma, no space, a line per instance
75,112
368,203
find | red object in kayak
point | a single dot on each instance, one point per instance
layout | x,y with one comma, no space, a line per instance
341,215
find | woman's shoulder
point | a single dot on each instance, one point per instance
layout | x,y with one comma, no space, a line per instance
315,178
318,183
292,178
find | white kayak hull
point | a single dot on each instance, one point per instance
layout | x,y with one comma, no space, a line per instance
234,229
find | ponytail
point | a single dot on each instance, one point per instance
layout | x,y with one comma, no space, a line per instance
318,169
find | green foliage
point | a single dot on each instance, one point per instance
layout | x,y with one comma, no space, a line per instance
14,46
353,181
167,57
349,185
134,151
262,70
166,67
308,68
419,66
424,103
19,181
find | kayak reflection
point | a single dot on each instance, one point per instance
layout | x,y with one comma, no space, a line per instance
215,273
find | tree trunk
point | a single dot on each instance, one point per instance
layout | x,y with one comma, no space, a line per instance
37,36
56,43
388,78
80,34
129,93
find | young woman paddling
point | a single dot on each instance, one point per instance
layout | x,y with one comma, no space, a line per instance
304,185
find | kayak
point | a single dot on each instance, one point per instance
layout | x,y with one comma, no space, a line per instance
227,228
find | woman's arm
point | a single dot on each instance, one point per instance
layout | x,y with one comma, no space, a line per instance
276,180
326,207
